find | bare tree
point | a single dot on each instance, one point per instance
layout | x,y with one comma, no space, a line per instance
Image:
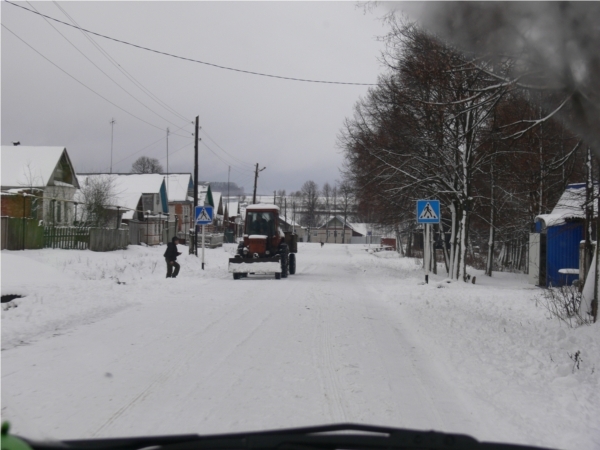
310,200
429,130
555,45
97,196
146,165
326,192
346,196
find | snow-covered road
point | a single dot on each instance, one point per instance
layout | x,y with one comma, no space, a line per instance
352,337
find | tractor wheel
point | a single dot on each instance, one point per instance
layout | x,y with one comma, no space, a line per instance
284,260
277,276
237,276
240,249
292,263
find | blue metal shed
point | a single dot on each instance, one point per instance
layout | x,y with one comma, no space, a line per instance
564,230
562,252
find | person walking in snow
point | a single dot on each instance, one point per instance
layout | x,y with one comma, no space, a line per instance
171,258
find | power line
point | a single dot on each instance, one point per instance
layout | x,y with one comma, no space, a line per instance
224,151
84,85
235,167
107,75
189,59
144,148
122,70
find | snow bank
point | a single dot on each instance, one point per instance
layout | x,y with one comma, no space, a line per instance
62,289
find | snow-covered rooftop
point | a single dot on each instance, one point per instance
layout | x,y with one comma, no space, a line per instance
26,166
232,207
177,185
571,205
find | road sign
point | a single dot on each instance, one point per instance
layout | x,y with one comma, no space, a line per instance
204,215
428,211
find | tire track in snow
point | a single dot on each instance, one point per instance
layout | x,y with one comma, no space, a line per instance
333,390
164,376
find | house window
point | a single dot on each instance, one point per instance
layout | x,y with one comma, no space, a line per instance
58,211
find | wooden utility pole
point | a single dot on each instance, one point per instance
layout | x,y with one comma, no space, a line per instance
167,162
194,249
255,181
112,129
228,196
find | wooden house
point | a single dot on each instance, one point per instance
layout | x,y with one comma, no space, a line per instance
44,172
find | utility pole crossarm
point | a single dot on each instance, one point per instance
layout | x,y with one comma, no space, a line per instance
255,182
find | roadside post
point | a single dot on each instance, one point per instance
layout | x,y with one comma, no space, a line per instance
428,212
204,216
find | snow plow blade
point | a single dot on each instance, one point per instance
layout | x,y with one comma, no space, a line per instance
255,265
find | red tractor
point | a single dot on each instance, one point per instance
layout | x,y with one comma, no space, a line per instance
266,248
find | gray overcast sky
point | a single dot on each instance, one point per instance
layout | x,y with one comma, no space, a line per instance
288,126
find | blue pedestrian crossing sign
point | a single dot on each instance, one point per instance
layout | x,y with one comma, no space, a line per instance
204,215
428,211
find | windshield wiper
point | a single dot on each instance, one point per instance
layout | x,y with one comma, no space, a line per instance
326,437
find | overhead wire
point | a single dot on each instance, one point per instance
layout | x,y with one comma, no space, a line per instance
84,85
144,148
122,69
191,59
233,166
107,75
240,169
224,151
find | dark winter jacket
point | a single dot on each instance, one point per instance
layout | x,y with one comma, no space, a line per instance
171,253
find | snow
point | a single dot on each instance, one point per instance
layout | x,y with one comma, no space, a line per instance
177,186
261,207
571,205
24,165
257,267
102,345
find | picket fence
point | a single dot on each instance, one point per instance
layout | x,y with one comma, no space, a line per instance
81,238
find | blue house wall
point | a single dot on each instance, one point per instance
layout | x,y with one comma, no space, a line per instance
562,252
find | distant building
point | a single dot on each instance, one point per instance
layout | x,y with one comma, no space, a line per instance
334,231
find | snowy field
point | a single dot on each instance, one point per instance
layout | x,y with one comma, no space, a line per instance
101,344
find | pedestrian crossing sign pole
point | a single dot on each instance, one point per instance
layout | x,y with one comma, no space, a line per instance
428,212
204,216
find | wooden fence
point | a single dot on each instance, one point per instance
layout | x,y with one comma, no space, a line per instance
106,240
67,238
20,234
